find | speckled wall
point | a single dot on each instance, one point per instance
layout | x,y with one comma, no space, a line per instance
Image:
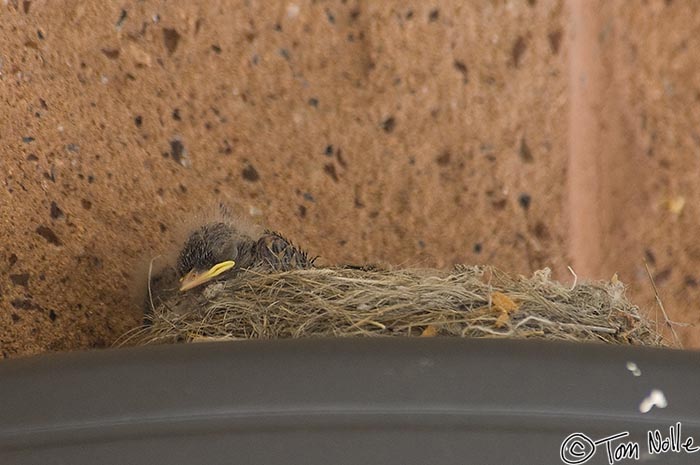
649,152
411,133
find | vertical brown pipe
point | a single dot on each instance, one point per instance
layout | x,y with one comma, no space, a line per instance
585,83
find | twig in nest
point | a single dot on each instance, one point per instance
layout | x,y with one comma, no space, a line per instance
150,273
571,270
667,321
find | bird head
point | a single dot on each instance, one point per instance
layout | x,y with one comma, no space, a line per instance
209,252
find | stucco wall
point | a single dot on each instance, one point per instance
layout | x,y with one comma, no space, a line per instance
412,133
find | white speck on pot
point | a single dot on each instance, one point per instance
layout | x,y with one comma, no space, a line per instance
655,399
634,369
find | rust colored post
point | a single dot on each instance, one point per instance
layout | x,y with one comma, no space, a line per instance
585,75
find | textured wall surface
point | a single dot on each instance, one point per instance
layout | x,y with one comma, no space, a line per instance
649,152
411,133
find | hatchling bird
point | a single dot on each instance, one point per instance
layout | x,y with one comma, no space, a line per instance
218,250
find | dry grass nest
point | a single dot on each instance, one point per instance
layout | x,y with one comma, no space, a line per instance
343,302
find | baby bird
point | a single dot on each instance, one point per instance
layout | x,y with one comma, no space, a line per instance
219,249
211,251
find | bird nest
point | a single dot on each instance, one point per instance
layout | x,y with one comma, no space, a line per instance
476,302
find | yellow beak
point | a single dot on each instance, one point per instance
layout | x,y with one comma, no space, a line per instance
193,279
